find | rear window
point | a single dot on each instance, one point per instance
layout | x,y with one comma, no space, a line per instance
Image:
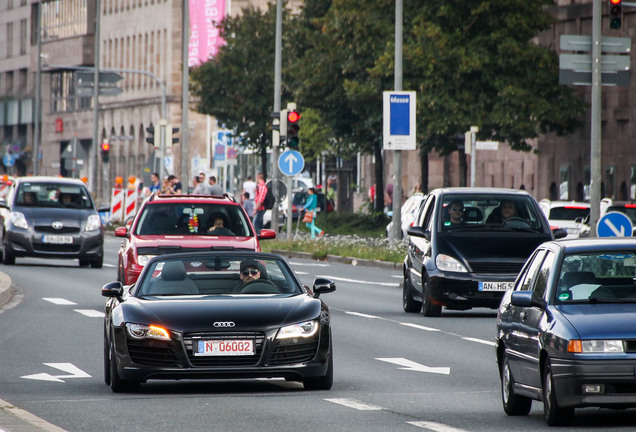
51,194
193,219
568,213
629,211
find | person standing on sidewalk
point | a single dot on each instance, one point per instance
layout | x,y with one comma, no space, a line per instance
310,205
261,192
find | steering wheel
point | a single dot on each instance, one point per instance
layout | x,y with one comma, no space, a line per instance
517,221
260,286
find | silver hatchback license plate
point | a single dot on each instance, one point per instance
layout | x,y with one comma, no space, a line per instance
57,239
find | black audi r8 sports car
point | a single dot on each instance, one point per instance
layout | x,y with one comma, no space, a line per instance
206,315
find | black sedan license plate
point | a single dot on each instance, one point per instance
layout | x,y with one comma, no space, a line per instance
230,347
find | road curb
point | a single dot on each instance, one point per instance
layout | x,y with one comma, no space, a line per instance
340,259
6,292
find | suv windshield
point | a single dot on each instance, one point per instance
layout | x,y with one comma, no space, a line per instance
53,195
473,211
193,219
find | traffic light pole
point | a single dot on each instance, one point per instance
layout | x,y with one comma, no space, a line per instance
277,86
595,142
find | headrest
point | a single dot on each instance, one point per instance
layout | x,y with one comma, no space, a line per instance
173,271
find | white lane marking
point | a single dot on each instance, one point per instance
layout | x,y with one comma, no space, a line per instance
360,281
58,301
362,315
411,365
308,264
91,313
352,403
420,327
109,265
69,368
301,272
437,427
481,341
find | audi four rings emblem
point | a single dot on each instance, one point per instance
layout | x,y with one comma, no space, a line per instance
57,225
224,324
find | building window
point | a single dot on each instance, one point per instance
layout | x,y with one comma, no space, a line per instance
63,94
564,183
632,183
23,36
63,19
587,192
610,181
9,39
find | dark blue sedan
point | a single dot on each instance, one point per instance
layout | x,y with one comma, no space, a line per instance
566,332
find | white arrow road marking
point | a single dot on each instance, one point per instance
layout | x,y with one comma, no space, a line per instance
411,365
69,368
437,427
91,313
362,315
352,403
615,230
58,301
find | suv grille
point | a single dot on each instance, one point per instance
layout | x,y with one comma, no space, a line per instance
190,339
496,267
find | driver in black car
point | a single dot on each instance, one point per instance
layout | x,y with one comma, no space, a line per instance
250,271
506,210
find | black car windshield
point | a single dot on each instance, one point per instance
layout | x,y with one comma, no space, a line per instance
193,219
597,278
217,275
50,194
489,212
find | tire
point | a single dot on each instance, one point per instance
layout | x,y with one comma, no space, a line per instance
553,414
428,308
513,404
118,385
98,262
408,303
106,361
84,262
324,382
7,257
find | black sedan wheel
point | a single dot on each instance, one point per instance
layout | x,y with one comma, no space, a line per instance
408,303
106,362
554,415
324,382
118,385
513,404
428,308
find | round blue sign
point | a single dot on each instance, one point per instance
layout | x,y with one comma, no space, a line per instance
291,162
614,224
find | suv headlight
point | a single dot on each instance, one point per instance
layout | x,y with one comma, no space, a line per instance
448,263
93,223
18,220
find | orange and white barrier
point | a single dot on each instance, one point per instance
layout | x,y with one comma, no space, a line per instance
116,204
130,206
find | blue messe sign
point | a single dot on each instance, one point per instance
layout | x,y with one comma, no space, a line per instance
399,120
614,224
291,163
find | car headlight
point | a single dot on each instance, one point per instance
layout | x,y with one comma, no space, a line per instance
596,346
142,260
304,329
142,331
93,223
18,220
448,263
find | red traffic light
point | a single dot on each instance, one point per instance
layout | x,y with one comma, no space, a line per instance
105,146
293,117
615,2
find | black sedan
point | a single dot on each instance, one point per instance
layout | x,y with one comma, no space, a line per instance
217,315
565,333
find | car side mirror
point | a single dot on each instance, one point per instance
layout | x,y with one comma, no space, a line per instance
113,289
559,233
323,285
526,299
121,232
267,234
417,231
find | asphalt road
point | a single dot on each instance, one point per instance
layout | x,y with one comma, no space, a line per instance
393,371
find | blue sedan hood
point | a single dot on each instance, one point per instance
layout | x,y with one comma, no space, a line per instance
601,321
201,313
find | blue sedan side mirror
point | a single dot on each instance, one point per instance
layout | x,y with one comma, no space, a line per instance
526,299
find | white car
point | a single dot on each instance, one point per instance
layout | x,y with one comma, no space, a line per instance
569,215
409,212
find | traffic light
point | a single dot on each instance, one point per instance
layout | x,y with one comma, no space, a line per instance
152,138
615,15
293,120
105,151
171,139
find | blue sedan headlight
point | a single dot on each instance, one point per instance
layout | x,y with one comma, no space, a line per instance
596,346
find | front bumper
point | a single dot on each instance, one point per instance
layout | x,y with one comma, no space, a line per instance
461,292
617,379
28,243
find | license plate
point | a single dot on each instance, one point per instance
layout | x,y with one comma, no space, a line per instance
229,347
495,286
57,239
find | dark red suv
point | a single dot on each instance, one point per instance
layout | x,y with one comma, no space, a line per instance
183,223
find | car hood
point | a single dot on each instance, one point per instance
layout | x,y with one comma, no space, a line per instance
201,313
186,243
46,215
602,321
489,245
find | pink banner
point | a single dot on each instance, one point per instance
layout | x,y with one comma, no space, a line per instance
204,36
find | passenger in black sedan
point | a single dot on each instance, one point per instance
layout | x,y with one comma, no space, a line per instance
506,210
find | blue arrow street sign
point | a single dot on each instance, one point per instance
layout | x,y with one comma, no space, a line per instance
8,160
614,224
291,163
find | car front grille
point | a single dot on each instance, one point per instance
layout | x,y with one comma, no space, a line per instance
190,339
496,267
48,229
64,248
152,353
290,351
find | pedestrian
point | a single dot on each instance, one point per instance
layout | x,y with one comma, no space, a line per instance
261,192
200,188
310,206
248,205
249,186
155,185
166,187
175,183
215,189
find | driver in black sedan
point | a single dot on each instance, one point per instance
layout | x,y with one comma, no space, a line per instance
250,270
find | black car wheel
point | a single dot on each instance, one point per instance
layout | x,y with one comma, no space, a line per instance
428,308
408,303
106,361
7,257
324,382
513,404
554,415
118,385
98,262
84,262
